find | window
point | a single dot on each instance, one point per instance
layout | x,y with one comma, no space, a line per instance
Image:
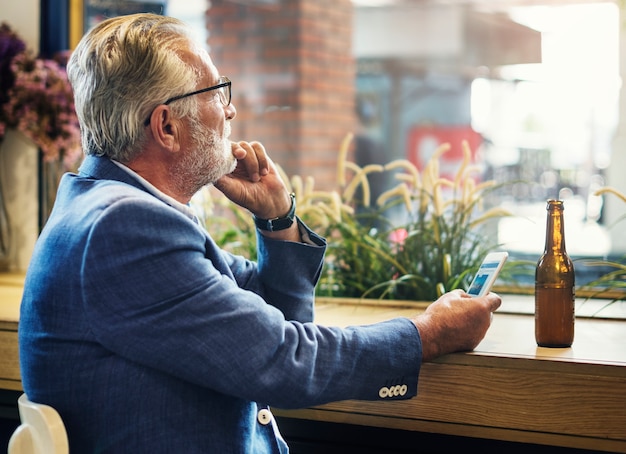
534,89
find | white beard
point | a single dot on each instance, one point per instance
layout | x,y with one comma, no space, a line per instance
210,159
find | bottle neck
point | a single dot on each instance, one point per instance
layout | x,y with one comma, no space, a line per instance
555,230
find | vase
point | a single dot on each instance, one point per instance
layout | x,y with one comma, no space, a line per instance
18,200
5,232
50,173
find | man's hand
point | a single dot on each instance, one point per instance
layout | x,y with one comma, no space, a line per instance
455,322
256,185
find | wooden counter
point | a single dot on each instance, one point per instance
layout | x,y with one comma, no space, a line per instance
11,289
508,389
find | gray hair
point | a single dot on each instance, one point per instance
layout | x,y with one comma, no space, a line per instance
120,71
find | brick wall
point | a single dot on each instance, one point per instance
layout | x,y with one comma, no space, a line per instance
293,77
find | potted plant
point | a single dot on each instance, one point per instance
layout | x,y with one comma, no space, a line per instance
612,284
36,100
433,245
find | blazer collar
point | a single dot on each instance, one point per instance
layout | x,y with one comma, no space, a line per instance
103,168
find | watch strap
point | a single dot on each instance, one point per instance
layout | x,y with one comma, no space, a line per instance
279,223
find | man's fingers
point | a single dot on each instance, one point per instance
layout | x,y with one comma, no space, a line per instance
238,151
261,157
495,301
250,162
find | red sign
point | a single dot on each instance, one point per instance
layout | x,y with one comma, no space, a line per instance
423,141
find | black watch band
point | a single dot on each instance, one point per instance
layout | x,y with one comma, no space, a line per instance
279,223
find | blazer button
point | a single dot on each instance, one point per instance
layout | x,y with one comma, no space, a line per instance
264,416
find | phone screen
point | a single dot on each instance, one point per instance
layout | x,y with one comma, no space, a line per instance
487,273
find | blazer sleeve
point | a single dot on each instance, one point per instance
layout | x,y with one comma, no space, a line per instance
158,292
285,275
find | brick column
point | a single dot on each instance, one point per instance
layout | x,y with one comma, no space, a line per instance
293,77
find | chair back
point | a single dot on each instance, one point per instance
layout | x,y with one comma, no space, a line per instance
41,430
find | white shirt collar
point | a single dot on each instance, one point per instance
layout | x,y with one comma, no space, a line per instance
185,209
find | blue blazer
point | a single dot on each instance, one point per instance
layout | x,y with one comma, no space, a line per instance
147,338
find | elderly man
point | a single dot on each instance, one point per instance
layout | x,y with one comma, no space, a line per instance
136,327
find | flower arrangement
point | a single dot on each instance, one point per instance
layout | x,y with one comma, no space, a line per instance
36,99
437,246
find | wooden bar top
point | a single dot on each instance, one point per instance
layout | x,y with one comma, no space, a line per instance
507,389
11,289
597,340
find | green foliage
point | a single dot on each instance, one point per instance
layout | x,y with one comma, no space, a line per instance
611,285
230,226
614,280
438,245
443,233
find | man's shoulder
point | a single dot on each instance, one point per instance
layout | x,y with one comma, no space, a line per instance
79,193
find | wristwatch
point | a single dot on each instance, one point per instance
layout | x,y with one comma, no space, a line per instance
279,223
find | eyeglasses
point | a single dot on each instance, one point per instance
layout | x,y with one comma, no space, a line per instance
223,88
223,91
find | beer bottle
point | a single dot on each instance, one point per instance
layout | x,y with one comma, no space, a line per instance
554,285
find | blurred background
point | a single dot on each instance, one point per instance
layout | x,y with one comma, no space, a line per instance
534,86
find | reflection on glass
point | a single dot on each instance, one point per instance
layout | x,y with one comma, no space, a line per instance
534,89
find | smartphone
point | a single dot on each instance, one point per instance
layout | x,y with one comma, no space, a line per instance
487,273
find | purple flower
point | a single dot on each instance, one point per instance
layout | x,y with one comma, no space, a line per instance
36,98
10,46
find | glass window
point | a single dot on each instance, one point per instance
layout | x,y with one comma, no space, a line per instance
534,89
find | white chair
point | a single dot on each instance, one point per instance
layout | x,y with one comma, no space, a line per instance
41,430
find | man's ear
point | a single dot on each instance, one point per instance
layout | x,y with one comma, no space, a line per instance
165,129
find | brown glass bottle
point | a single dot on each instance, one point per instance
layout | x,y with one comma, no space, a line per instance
554,285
